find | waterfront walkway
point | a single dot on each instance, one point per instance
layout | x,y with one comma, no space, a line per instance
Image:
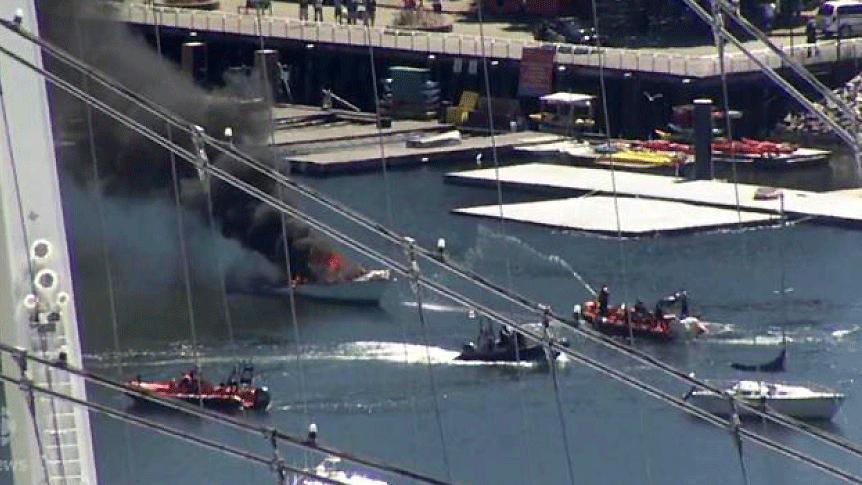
502,40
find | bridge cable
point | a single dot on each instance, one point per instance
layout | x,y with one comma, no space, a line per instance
106,257
507,250
409,396
417,291
606,369
269,99
437,287
623,260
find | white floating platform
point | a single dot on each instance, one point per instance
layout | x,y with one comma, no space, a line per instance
638,217
833,207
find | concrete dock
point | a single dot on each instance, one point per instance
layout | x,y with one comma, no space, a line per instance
638,217
831,208
363,154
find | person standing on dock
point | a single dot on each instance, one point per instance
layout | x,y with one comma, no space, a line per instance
370,7
303,10
351,11
318,10
338,11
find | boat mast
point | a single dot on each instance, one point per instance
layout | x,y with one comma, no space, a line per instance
41,440
784,290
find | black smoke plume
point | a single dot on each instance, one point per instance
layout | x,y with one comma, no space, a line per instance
130,164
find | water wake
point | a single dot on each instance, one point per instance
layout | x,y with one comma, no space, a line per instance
395,352
436,307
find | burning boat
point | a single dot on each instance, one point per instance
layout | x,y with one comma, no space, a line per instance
329,277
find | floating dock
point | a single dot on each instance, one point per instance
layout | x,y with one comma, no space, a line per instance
363,153
832,208
638,217
584,153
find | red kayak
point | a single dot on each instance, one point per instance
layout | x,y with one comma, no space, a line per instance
233,396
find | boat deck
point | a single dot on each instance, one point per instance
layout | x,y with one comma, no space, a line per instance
835,208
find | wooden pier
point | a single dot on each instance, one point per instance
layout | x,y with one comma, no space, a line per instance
364,153
681,62
831,208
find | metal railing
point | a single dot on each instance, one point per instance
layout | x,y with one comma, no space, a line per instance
692,65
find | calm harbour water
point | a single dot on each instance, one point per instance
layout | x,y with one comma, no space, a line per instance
371,393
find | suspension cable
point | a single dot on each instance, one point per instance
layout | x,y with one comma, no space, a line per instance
221,418
106,257
605,369
269,98
417,291
519,370
431,284
409,396
171,431
720,44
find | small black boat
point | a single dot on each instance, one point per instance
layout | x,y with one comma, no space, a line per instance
508,353
508,346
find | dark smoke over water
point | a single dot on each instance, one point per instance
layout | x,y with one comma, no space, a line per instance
136,174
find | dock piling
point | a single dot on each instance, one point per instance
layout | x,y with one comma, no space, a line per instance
703,139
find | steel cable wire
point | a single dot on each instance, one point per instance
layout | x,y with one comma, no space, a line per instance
247,427
439,288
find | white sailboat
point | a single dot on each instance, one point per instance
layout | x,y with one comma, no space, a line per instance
801,401
798,401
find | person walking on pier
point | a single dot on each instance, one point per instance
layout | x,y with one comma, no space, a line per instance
370,7
318,10
338,11
351,11
303,10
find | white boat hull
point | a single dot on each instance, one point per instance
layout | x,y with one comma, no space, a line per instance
366,292
796,401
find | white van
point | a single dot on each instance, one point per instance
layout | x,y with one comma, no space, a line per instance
840,17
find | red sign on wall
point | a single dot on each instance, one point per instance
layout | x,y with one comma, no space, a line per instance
537,71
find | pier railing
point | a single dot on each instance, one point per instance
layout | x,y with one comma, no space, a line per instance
679,63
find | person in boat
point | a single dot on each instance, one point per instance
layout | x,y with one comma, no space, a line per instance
231,381
505,338
486,336
683,304
188,383
603,300
640,310
659,308
247,375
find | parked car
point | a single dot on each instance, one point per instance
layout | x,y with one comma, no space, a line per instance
567,30
839,18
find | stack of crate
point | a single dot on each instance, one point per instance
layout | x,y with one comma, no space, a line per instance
410,93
